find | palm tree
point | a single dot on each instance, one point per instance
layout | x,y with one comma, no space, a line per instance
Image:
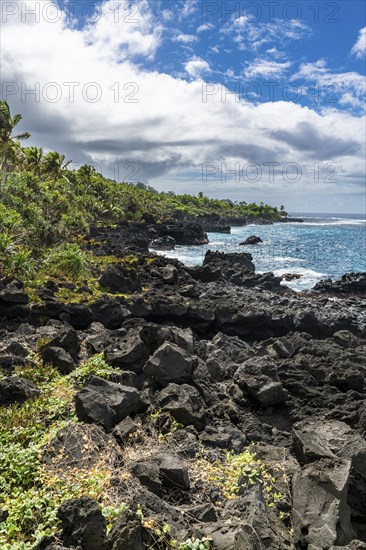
84,175
7,125
34,157
54,165
16,157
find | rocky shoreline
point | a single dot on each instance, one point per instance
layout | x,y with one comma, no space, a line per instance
233,415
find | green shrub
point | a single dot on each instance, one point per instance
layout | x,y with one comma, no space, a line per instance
95,365
9,218
15,260
67,261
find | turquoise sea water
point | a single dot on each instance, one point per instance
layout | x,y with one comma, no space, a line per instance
325,245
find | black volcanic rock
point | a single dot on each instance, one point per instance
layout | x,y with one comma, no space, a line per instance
83,524
58,358
14,293
107,403
216,228
222,260
251,240
17,390
184,403
168,364
350,283
163,243
117,278
125,238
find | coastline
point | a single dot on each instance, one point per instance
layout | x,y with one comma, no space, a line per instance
204,374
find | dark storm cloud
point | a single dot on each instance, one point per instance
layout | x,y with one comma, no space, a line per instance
307,138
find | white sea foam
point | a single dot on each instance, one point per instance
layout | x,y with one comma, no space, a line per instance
287,259
308,278
330,223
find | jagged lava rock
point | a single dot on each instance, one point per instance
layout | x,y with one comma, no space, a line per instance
259,377
184,403
107,403
83,524
253,239
320,513
17,390
120,279
168,364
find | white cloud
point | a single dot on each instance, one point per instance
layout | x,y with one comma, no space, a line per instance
359,48
246,32
185,38
205,27
197,67
167,15
332,84
126,36
276,53
188,8
242,21
170,131
266,68
349,99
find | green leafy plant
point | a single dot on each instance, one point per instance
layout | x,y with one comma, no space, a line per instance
95,365
237,472
67,261
196,544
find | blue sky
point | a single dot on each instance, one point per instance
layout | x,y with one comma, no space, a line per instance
247,100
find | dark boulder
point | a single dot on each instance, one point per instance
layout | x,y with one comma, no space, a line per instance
17,390
148,472
107,403
291,276
224,436
201,512
170,274
187,233
184,403
83,524
124,238
247,523
315,439
128,534
163,243
350,283
123,430
97,338
173,472
168,364
320,513
251,240
117,278
130,349
223,260
79,316
58,358
68,340
109,312
14,293
258,376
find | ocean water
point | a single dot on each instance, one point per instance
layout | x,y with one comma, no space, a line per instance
324,246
